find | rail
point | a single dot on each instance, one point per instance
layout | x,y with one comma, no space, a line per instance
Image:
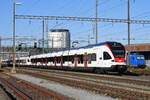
27,91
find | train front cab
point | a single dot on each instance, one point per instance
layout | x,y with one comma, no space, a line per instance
113,65
115,58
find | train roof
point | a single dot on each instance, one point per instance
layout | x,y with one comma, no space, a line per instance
85,47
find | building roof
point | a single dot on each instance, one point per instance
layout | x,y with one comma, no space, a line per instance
139,47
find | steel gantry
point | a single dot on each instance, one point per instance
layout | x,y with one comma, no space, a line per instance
82,19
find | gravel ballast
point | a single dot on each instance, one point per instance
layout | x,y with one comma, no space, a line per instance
68,91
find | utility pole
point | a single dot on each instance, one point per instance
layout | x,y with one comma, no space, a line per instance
47,32
96,23
129,33
43,37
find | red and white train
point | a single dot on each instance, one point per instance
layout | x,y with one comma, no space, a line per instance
100,58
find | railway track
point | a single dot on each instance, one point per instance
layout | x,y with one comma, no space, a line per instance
23,90
116,84
98,84
126,80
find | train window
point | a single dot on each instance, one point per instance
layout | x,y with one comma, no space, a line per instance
53,59
67,58
64,59
72,58
89,58
80,59
49,59
58,59
38,59
24,61
106,56
35,60
118,50
31,60
142,58
43,59
93,57
138,58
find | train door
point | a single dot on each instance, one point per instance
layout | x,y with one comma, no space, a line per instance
75,60
42,61
46,61
61,61
32,62
85,60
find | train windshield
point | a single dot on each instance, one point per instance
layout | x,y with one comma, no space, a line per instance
118,49
140,58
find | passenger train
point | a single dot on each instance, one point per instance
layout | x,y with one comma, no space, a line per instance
99,58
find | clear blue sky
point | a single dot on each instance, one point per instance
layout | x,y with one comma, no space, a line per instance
140,9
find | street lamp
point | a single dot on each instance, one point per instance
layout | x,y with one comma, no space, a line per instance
14,35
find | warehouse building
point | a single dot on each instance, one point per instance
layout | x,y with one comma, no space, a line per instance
143,49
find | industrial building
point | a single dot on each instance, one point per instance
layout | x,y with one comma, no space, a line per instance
143,49
59,38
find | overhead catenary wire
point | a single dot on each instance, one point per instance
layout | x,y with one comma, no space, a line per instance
113,7
101,3
64,6
90,9
142,15
79,8
33,4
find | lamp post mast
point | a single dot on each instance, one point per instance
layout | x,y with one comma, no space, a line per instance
14,36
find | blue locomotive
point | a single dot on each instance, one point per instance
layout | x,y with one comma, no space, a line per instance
137,61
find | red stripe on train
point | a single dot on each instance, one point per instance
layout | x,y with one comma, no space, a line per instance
120,60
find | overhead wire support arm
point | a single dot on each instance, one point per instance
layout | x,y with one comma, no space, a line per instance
82,19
